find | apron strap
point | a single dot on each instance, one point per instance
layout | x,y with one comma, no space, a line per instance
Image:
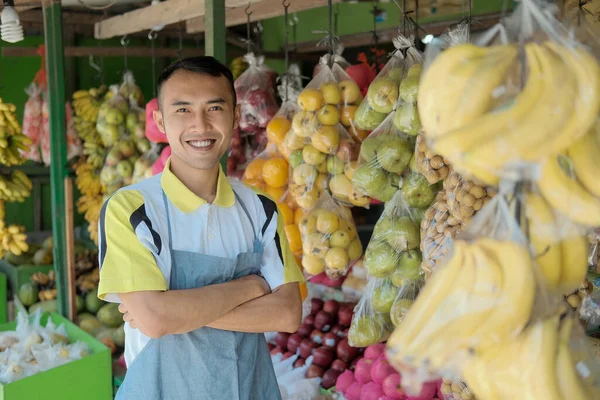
164,196
247,214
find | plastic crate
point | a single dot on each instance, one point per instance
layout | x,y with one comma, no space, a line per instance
89,378
17,276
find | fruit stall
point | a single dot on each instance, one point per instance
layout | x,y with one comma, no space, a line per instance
435,164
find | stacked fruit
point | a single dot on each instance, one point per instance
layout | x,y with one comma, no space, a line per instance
12,140
491,129
433,166
322,336
465,197
438,228
330,242
13,239
320,147
575,298
16,187
86,104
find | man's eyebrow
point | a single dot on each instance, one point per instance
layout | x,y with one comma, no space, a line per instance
181,103
217,100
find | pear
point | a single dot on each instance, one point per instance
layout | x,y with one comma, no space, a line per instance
383,297
407,119
368,149
417,191
366,118
409,266
380,259
382,95
370,179
394,153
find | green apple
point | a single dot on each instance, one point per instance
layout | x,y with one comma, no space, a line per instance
383,296
366,118
407,119
368,148
370,179
394,153
409,266
367,330
296,158
417,191
380,259
399,310
410,85
335,166
383,95
388,192
402,233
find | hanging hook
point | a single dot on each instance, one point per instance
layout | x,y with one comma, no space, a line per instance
124,41
247,10
152,35
285,3
248,37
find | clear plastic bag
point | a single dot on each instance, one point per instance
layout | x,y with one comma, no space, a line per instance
393,251
142,168
408,289
371,323
130,91
435,167
281,124
330,242
112,115
384,156
518,103
455,390
465,197
407,116
268,172
33,121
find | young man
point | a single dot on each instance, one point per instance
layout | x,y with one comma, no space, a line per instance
200,265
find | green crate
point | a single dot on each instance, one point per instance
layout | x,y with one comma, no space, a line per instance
89,378
19,275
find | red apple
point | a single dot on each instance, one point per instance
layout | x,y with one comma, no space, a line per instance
331,306
338,330
270,346
330,377
305,330
345,352
316,305
314,371
339,365
317,336
299,363
331,340
324,321
323,356
281,339
345,315
310,320
306,348
276,350
352,366
294,342
287,355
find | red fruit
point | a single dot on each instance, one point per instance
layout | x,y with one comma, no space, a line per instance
317,336
294,342
316,305
339,365
306,348
329,378
344,381
345,352
330,339
314,371
338,330
287,355
276,350
331,306
381,370
353,392
323,356
352,366
310,320
304,330
374,351
323,321
371,391
345,332
281,339
362,373
345,315
299,363
270,346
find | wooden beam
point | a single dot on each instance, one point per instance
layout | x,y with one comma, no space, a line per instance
164,13
260,11
386,35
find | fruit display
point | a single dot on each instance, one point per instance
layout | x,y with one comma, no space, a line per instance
15,187
433,166
329,239
321,150
465,197
506,121
576,297
32,120
12,239
384,156
32,348
12,139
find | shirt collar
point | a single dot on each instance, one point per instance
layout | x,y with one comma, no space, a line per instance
186,200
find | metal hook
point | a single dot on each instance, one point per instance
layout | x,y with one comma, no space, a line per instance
94,65
247,10
285,3
152,35
124,41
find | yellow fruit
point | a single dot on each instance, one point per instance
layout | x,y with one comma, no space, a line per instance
313,156
322,182
255,183
355,250
327,222
309,199
347,227
350,169
340,238
313,264
331,93
322,168
308,225
316,245
311,99
287,213
293,235
275,193
336,259
328,115
275,172
293,142
304,123
304,174
350,92
326,139
277,129
254,169
347,115
298,215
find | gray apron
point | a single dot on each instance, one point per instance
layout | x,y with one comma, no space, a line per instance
206,363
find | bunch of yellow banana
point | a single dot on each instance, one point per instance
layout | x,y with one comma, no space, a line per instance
95,153
90,207
560,249
87,180
473,119
483,295
86,130
12,140
573,188
86,103
16,188
13,239
537,364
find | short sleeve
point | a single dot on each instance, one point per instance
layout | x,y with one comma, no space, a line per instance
128,247
278,263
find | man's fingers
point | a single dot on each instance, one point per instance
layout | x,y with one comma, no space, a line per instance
122,308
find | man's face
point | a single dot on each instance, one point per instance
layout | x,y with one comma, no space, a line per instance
198,117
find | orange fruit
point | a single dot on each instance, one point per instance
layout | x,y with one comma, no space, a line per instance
286,212
275,172
254,169
275,193
298,215
293,236
255,183
277,128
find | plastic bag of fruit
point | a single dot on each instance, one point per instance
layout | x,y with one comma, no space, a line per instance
433,166
371,322
408,290
494,128
465,197
455,390
142,167
130,91
268,172
481,298
330,242
384,156
152,132
256,97
112,116
394,247
33,120
74,147
280,125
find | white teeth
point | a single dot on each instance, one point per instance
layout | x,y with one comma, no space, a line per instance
198,143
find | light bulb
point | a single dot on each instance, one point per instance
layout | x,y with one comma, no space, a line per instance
11,30
428,38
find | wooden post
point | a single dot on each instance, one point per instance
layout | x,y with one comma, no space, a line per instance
70,239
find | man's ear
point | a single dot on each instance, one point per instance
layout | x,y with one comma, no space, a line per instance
236,116
157,115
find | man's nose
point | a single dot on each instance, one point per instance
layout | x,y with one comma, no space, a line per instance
202,122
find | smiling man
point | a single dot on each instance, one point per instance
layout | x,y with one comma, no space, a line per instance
200,265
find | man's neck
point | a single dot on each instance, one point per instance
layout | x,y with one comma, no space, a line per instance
202,182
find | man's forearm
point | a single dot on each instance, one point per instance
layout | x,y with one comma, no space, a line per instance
181,311
278,311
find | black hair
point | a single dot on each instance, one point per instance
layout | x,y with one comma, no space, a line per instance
201,65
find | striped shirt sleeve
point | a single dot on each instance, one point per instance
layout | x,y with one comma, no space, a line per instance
128,247
278,263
